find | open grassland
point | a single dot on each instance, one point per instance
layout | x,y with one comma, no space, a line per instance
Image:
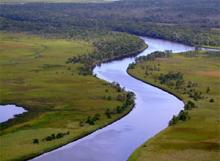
34,74
196,139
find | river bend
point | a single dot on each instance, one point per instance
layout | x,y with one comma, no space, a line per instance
151,114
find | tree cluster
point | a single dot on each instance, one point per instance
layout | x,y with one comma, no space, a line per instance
112,46
51,137
182,116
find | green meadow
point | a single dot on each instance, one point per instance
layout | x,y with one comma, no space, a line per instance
198,137
62,105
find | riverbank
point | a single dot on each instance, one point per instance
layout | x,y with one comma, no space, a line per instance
198,137
79,137
52,92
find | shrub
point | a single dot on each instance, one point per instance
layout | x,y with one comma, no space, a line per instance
131,66
189,105
109,98
183,115
207,90
96,117
90,121
173,121
211,100
50,138
81,123
59,135
120,98
108,113
35,141
119,109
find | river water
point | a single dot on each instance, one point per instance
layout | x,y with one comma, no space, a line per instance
151,114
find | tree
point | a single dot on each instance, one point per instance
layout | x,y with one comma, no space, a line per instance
211,100
207,90
183,115
173,121
189,105
35,141
118,109
108,113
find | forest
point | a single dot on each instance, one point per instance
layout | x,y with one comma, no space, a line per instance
191,22
48,53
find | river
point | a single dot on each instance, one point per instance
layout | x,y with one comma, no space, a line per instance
151,114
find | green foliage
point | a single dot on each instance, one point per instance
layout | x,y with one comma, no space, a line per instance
173,121
152,56
60,135
120,98
108,47
91,120
127,102
194,94
35,141
171,76
190,22
131,66
189,105
55,136
57,98
192,134
211,100
108,113
182,116
207,90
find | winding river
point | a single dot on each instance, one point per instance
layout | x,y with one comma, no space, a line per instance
151,114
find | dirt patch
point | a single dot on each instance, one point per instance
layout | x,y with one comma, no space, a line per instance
14,45
210,73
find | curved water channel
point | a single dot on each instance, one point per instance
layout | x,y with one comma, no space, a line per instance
151,114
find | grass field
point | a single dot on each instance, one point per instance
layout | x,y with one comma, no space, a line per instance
34,75
197,139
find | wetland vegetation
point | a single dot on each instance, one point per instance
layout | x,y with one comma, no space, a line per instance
35,75
193,77
48,51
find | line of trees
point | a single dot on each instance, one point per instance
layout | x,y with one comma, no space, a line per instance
51,137
108,47
109,112
190,22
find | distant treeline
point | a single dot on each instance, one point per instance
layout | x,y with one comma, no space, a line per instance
192,22
108,47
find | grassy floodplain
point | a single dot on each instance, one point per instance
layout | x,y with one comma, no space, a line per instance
34,74
196,139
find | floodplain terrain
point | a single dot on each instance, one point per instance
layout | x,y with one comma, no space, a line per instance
194,133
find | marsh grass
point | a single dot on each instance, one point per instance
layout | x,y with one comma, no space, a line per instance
34,75
196,139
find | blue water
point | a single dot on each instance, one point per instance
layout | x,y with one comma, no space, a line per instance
151,114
